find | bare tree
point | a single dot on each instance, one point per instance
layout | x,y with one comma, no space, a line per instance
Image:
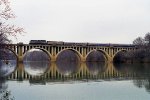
147,39
5,28
142,54
139,41
4,39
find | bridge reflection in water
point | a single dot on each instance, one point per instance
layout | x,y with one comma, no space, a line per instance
46,72
70,71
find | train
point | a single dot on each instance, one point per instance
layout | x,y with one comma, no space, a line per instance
44,42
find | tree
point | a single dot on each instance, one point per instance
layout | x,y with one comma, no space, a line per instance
5,28
139,41
4,39
147,39
142,54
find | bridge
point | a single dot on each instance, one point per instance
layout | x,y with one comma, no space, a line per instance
109,51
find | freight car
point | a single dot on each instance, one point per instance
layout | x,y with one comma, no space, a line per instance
55,42
35,42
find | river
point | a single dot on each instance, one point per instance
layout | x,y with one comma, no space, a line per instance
74,81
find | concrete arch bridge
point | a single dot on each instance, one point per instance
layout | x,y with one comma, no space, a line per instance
83,51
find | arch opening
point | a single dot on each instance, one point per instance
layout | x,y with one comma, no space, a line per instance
68,62
96,61
68,55
36,54
36,62
8,62
96,56
120,57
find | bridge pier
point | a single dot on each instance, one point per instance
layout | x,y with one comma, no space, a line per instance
83,59
53,59
20,52
110,60
20,59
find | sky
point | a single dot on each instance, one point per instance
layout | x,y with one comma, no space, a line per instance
97,21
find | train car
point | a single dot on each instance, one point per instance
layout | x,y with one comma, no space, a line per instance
74,44
69,43
51,42
81,44
55,42
123,45
60,43
43,42
97,44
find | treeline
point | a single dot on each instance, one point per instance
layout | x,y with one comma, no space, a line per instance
141,54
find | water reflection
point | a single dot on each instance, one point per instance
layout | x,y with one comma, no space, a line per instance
8,62
36,67
7,68
67,68
142,83
137,68
96,67
138,74
5,94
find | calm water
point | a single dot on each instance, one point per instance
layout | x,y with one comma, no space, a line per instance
74,81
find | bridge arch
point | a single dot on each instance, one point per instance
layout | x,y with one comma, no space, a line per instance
106,56
44,50
16,55
8,66
123,50
75,51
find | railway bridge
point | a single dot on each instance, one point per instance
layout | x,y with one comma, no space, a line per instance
53,50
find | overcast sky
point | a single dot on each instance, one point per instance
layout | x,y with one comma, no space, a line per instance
102,21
